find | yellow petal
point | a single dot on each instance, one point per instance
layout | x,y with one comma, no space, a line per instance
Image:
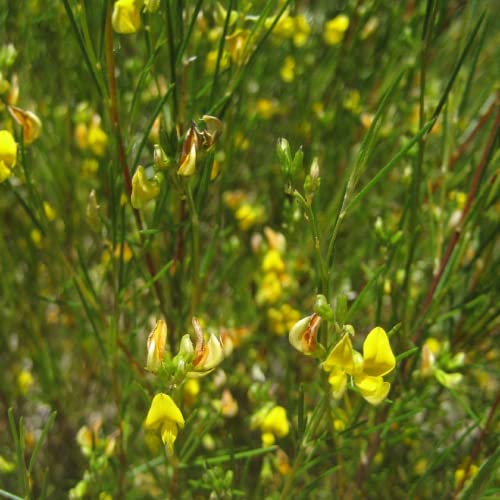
276,422
188,165
338,380
8,149
373,389
126,17
5,171
156,346
163,409
377,353
143,189
169,434
341,356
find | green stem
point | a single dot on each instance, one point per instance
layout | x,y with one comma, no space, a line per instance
195,233
320,265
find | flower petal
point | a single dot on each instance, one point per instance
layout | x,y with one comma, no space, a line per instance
373,389
338,380
341,356
163,409
377,353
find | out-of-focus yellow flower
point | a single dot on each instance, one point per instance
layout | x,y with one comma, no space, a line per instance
302,30
459,197
266,108
156,346
275,424
367,370
352,101
81,135
273,261
270,289
228,405
282,319
49,211
283,462
36,237
284,28
190,390
248,215
335,29
24,381
126,18
97,139
460,474
127,252
237,46
164,416
8,154
143,189
287,71
211,61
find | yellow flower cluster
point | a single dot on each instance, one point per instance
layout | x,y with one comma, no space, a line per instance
272,422
367,370
334,29
296,28
281,319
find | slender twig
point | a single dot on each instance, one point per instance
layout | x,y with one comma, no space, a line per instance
115,121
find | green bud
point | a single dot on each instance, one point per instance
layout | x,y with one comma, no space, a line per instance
160,158
322,308
297,162
341,309
284,155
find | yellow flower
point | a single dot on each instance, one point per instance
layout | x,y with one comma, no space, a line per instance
275,424
156,346
287,71
367,370
165,416
126,17
273,262
377,353
97,139
143,190
237,44
301,32
335,29
8,153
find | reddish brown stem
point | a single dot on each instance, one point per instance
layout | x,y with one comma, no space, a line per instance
458,229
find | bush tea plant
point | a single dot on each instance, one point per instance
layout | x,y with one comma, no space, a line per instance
249,249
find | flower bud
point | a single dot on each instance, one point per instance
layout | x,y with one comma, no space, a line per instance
31,124
303,335
322,308
160,158
156,346
208,352
188,155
